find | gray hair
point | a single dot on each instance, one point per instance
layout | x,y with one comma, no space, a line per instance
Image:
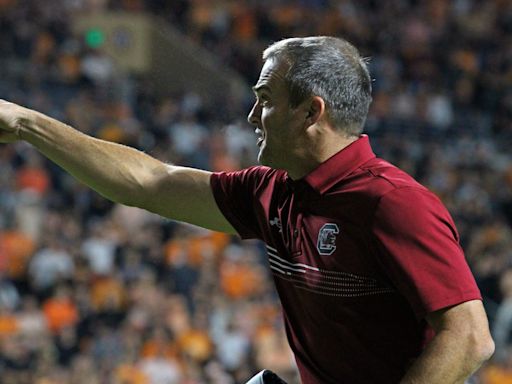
331,68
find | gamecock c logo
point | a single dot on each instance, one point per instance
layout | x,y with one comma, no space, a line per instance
326,243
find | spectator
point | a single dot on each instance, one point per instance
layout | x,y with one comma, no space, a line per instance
60,311
50,265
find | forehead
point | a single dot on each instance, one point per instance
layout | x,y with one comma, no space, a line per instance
272,75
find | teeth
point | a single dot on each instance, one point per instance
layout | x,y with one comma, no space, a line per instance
261,136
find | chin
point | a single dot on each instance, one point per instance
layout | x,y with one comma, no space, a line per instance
265,159
261,157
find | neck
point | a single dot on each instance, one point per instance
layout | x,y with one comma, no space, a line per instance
316,150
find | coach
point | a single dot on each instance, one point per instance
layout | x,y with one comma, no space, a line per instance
367,262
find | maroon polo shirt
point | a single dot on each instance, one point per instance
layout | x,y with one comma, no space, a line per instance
359,252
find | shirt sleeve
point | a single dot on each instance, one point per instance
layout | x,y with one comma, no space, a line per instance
240,196
420,251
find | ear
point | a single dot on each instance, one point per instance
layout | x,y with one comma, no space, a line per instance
315,110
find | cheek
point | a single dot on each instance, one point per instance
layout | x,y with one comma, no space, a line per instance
272,119
266,115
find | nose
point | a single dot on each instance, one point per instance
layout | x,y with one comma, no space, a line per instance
255,114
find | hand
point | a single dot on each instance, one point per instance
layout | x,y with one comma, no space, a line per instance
11,117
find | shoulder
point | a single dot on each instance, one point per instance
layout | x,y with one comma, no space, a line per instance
394,192
405,205
386,177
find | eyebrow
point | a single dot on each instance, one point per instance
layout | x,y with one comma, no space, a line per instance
262,87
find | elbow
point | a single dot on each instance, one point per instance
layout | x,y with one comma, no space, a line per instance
145,188
488,350
482,347
141,189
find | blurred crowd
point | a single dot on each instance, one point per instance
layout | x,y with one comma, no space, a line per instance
92,292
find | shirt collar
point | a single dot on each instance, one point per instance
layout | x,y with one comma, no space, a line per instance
340,165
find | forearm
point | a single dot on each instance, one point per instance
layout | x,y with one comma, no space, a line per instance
120,173
448,359
117,172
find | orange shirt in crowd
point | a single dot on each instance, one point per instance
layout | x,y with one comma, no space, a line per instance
244,23
60,313
195,247
156,347
196,343
240,280
107,293
494,374
33,178
8,324
129,374
16,248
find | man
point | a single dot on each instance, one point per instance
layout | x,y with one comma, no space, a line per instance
366,261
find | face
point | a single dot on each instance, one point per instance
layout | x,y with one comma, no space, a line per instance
277,124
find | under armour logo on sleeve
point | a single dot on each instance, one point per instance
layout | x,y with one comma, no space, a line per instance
276,222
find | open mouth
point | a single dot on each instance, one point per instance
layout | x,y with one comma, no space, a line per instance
261,136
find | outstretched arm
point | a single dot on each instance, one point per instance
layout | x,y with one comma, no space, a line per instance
120,173
462,343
